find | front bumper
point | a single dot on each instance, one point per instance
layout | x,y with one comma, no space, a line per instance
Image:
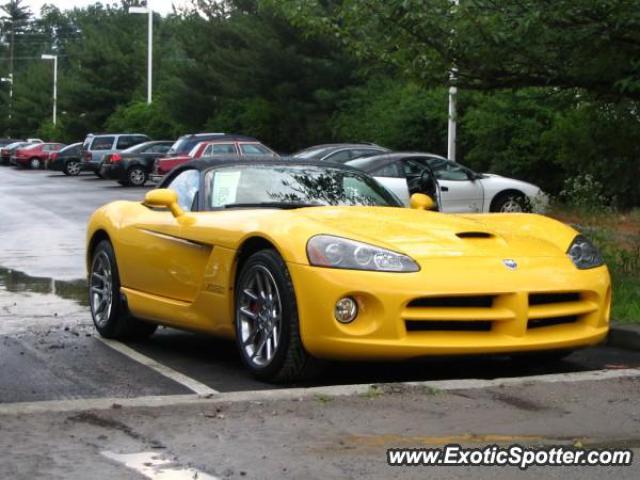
56,165
155,178
472,306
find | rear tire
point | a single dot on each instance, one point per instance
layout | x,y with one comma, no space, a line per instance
108,308
266,321
35,163
72,168
136,176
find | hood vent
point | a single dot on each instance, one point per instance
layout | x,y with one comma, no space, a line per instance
474,235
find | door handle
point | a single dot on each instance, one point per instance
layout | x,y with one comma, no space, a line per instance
444,189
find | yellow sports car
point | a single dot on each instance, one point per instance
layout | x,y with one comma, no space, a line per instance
307,261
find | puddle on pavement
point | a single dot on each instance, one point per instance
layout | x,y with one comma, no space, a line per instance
17,282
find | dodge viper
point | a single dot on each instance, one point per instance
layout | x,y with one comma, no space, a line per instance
302,262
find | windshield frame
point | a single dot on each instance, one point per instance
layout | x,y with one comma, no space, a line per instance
207,185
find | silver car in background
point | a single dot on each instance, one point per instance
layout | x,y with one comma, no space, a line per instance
95,147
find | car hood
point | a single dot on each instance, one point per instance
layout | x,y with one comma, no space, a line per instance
430,234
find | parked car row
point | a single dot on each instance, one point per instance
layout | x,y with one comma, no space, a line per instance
133,159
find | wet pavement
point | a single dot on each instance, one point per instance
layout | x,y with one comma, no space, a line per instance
48,344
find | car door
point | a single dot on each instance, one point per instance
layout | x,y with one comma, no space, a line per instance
459,189
392,178
159,259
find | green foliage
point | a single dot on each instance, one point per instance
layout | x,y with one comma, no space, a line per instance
601,139
395,114
507,44
51,133
585,194
155,120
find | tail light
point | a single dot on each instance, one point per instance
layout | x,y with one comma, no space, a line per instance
87,156
53,156
115,157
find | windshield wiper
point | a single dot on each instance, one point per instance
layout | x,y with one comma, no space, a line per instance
283,205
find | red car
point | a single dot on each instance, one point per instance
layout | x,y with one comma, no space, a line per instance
35,156
227,145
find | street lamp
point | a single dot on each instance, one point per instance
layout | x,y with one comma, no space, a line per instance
453,92
9,80
55,83
149,13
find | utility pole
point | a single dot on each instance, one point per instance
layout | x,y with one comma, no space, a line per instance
453,114
149,12
11,60
55,83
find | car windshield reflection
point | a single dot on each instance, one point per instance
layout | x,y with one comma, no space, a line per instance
256,186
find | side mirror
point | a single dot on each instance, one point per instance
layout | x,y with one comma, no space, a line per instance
420,201
164,198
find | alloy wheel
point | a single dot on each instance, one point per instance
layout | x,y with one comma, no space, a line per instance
512,205
137,176
101,289
35,163
260,316
73,168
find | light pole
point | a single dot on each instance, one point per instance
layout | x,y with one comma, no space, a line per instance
149,13
55,83
9,80
453,92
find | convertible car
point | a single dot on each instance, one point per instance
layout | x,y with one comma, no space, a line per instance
306,261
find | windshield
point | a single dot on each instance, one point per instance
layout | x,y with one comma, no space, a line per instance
183,145
138,148
69,148
447,170
312,153
284,186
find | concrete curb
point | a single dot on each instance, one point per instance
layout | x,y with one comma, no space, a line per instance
84,404
624,336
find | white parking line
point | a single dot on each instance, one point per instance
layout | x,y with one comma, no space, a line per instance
193,385
75,405
156,466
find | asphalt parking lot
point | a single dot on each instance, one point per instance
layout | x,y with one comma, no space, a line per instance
48,337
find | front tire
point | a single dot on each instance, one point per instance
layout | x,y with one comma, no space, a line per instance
266,321
509,202
72,168
108,310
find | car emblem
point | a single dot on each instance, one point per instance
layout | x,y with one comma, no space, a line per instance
510,264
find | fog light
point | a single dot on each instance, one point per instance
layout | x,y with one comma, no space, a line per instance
346,310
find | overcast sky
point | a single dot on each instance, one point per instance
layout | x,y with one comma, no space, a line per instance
162,6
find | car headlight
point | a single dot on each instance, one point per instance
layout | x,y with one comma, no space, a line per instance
584,254
337,252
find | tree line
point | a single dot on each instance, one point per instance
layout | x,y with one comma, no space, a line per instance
549,90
